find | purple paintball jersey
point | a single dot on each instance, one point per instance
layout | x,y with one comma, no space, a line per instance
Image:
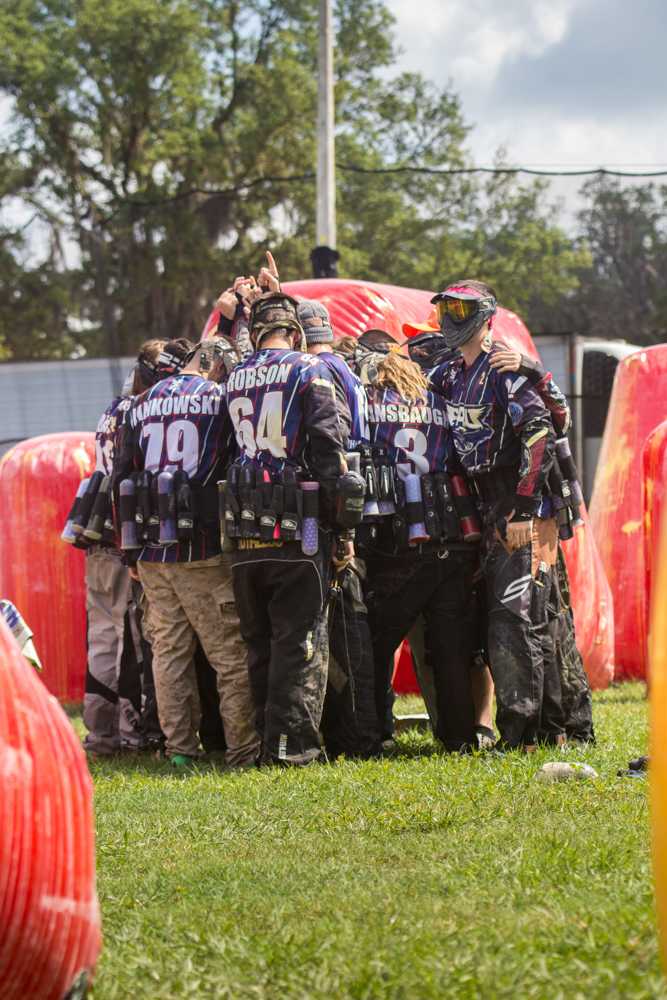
278,401
181,424
497,420
354,394
415,435
107,433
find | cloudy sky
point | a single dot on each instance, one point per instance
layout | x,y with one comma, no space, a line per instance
567,83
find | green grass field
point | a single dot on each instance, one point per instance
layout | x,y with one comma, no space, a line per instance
423,876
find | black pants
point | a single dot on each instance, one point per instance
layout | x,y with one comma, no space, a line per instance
520,645
575,689
439,587
211,728
280,598
349,722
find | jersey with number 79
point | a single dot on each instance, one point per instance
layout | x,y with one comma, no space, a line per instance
416,435
284,410
180,424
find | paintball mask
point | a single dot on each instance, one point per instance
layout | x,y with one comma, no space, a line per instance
209,351
428,350
275,311
462,311
367,365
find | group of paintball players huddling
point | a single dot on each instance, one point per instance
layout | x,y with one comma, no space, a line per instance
273,512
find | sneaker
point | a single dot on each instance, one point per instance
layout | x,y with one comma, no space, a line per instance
181,761
485,738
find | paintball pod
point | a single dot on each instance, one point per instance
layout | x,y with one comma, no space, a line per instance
311,509
89,520
371,506
350,494
414,509
166,509
69,535
466,510
570,476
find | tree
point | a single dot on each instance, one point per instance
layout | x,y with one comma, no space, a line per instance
169,141
622,293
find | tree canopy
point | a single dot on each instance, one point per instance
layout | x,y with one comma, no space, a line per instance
162,144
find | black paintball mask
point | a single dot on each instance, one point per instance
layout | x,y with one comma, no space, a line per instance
428,350
271,312
207,352
462,311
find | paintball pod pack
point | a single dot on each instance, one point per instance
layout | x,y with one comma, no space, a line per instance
565,488
159,510
90,520
435,508
256,504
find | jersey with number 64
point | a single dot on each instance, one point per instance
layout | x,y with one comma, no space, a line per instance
284,410
416,436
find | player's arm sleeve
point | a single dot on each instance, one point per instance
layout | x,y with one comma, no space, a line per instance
328,423
532,424
549,392
435,379
127,454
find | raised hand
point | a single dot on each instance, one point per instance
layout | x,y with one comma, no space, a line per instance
227,302
268,278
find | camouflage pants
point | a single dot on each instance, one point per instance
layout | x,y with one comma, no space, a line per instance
575,689
186,601
112,698
520,647
280,596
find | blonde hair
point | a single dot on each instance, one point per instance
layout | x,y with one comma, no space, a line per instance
397,372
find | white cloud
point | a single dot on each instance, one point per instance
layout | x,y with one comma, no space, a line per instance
551,81
469,40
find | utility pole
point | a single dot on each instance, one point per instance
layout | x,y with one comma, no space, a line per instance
325,255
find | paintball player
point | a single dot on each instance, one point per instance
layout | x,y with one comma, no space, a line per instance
426,346
505,441
176,445
576,695
349,722
279,502
112,697
418,560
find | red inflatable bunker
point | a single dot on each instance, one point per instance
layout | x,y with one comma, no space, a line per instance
49,915
638,405
655,510
356,306
42,575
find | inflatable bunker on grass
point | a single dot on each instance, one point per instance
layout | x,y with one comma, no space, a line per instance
655,509
39,573
638,404
356,306
657,663
49,915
